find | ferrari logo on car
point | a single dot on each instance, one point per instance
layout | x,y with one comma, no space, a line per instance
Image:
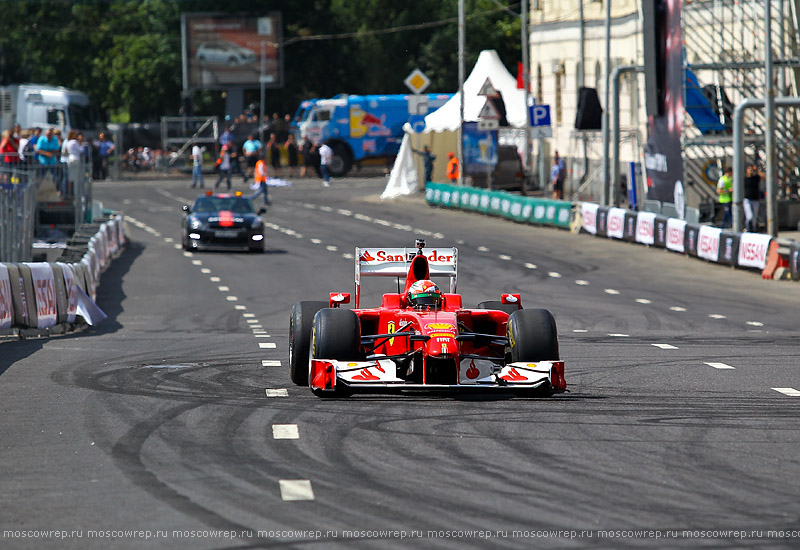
391,329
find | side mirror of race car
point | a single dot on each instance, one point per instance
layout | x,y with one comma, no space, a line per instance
186,208
510,299
338,298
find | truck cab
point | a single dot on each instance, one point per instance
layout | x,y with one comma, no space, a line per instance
41,106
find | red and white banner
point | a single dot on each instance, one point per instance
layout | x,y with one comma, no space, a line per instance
589,215
615,226
72,292
646,227
675,233
6,306
708,243
753,249
44,288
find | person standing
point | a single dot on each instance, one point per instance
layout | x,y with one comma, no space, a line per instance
47,152
225,166
725,191
252,150
555,178
9,148
427,160
325,158
197,167
453,170
260,177
558,185
274,153
310,157
104,148
752,198
291,152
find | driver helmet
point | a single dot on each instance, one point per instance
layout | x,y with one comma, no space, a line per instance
424,294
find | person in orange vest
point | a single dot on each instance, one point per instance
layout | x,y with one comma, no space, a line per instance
452,168
260,179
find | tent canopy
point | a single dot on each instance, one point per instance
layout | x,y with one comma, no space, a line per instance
447,117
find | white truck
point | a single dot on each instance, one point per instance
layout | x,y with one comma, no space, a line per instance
43,106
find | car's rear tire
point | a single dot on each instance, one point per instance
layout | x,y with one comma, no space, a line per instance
301,323
336,335
532,336
498,305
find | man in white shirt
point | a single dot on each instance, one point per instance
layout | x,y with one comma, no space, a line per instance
197,167
325,157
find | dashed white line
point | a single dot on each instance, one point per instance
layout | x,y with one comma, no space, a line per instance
554,275
677,308
178,246
382,222
344,212
248,315
483,249
188,254
531,266
197,262
619,335
664,346
231,298
252,321
331,248
205,270
169,240
643,301
266,345
254,327
504,257
296,489
755,323
791,392
581,282
316,241
326,208
285,431
721,366
363,218
717,316
580,330
215,279
224,289
240,307
270,363
277,392
347,256
261,335
611,291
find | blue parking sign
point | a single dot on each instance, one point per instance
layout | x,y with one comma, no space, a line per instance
540,115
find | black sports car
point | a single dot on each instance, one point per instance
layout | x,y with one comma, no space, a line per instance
222,221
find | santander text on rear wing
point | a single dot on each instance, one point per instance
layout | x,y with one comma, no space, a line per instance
395,262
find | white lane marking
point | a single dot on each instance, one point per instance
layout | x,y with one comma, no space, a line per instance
363,218
531,266
755,323
251,321
266,345
347,256
677,308
438,236
554,275
231,298
261,335
720,366
248,315
382,222
296,489
611,291
402,227
344,212
791,392
285,431
483,249
316,241
664,346
716,316
331,248
223,288
197,262
643,301
257,329
188,254
504,257
169,240
178,246
423,232
254,327
309,205
270,363
240,307
205,270
581,282
580,330
277,392
215,279
620,335
326,208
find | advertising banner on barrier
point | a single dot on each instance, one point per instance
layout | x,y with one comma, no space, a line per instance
660,232
690,234
708,239
794,261
646,228
72,291
589,215
675,234
753,249
44,289
630,227
728,248
615,226
6,305
602,221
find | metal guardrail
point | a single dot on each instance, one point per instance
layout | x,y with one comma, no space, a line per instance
36,199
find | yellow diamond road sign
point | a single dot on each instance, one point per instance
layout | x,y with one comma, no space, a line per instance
417,82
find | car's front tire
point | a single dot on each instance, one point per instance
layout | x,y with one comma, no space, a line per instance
301,323
532,336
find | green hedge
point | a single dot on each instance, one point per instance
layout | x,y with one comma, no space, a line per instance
499,203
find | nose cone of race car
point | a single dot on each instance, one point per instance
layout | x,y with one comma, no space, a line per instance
441,346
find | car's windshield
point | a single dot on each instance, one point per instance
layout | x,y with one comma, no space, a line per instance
238,205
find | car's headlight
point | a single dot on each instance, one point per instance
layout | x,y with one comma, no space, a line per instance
194,223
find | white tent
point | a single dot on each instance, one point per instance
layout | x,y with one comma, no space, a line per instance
441,126
447,117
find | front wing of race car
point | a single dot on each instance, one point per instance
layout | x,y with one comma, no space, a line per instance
330,376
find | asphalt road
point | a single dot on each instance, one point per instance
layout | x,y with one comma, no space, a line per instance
175,419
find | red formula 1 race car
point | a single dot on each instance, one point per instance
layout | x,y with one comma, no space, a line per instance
420,338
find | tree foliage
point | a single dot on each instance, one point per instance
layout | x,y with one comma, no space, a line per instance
127,54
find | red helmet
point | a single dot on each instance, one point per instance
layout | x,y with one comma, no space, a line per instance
424,294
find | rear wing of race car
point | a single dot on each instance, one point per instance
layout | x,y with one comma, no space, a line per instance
395,262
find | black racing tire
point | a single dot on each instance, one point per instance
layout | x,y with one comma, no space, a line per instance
301,323
499,306
336,335
532,336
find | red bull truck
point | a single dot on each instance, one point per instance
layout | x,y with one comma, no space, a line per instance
359,127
